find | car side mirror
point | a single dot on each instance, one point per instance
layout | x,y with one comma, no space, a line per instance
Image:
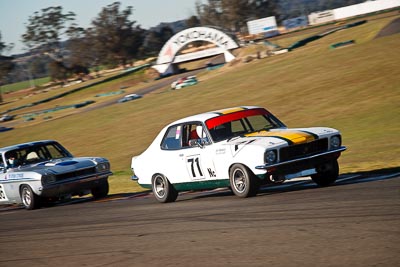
194,143
198,142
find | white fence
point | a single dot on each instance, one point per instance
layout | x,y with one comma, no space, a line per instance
351,11
364,8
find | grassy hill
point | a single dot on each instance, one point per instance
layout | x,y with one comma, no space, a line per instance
355,89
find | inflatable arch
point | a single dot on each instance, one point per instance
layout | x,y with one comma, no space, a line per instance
168,54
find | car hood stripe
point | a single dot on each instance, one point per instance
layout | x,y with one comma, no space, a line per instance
292,137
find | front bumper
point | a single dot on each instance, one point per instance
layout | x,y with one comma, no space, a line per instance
75,186
303,163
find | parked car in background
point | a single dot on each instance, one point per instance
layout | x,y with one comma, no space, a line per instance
184,82
6,117
44,171
5,129
129,98
241,148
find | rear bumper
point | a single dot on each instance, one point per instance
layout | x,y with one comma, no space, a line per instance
300,164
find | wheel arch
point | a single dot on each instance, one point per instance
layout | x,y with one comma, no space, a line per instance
240,163
34,188
260,174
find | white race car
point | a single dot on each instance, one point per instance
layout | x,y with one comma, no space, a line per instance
184,82
241,148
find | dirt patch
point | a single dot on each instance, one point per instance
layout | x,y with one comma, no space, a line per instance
392,28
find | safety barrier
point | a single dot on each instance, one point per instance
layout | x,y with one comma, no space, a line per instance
341,44
323,34
122,74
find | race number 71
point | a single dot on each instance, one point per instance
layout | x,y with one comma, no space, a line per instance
194,167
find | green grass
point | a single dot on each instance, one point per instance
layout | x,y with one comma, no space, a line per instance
23,85
355,89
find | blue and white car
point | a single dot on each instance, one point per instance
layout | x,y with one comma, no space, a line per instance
129,97
241,148
44,171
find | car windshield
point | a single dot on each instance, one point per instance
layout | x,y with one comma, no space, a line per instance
31,154
241,122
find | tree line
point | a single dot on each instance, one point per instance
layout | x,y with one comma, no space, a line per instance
60,48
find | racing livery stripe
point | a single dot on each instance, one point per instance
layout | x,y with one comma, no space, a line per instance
291,137
239,114
196,185
313,134
243,143
228,111
282,138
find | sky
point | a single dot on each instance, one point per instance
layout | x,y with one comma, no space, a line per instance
14,14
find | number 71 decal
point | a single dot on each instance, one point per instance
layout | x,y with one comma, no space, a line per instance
194,167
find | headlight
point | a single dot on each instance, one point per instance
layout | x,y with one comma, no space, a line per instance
48,179
270,156
336,141
102,166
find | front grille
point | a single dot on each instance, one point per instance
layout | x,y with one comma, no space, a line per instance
77,173
303,150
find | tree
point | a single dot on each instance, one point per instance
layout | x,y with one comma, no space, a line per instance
80,49
6,64
46,30
211,13
264,8
115,37
234,14
193,21
155,40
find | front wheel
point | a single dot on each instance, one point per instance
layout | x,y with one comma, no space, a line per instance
101,190
326,173
163,190
30,200
243,182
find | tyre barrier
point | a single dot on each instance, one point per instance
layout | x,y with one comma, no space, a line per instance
342,44
31,116
323,34
122,74
111,93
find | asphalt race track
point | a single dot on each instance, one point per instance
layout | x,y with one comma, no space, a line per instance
356,222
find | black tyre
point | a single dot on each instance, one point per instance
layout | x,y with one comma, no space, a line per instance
326,173
163,190
30,200
243,182
101,190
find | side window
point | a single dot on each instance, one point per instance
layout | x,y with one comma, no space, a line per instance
195,135
172,140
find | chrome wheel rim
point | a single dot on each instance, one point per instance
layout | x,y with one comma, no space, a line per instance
159,187
239,180
26,196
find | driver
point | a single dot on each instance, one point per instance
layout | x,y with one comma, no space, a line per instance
12,160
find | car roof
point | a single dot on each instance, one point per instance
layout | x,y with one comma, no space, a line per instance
25,145
212,114
131,95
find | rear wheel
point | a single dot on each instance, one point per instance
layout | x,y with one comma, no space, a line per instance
326,173
101,190
163,190
30,200
243,182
